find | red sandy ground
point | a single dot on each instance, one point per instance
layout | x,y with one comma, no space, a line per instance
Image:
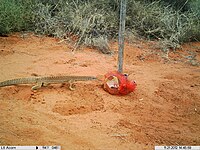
164,110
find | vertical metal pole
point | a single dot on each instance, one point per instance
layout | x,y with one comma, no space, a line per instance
121,35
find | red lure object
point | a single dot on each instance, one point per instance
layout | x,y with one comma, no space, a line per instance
117,83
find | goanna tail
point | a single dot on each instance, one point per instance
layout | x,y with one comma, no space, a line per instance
18,81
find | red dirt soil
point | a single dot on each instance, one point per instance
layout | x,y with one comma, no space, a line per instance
164,109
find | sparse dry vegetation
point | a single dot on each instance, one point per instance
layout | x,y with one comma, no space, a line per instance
96,22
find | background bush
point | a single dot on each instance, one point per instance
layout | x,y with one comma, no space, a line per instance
155,20
15,16
94,22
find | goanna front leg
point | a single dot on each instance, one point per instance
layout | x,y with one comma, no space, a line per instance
71,85
37,86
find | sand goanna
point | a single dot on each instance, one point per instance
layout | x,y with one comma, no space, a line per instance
44,81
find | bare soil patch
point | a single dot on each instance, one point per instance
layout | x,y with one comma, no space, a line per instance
164,109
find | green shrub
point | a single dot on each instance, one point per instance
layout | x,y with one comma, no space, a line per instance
195,7
14,16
